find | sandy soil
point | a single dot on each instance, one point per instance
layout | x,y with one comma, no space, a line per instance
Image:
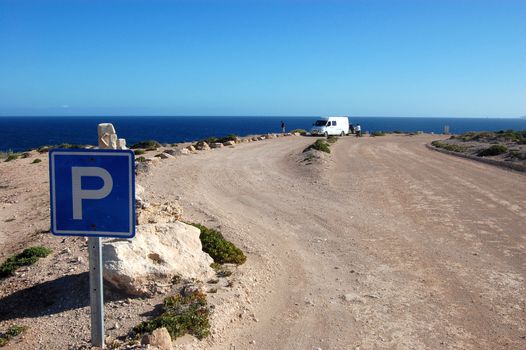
383,245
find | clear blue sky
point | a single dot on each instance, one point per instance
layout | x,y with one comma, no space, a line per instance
369,58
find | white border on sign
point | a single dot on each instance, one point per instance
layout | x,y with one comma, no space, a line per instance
92,233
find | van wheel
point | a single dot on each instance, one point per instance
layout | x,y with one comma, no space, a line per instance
326,134
342,134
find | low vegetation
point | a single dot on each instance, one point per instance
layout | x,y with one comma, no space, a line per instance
212,139
487,144
138,152
493,150
300,131
319,145
449,147
44,149
36,161
47,148
516,154
181,315
149,145
11,156
220,249
28,257
140,159
70,146
497,136
12,332
378,133
332,139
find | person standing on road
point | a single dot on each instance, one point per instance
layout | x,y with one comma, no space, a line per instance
282,127
358,130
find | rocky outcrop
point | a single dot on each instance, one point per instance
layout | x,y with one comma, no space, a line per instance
164,155
229,143
216,145
191,148
159,339
159,213
202,146
171,152
158,252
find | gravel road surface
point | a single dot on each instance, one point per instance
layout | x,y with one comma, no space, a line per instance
385,245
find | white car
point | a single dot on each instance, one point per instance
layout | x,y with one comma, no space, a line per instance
330,126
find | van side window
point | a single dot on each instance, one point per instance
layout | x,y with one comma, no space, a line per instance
334,123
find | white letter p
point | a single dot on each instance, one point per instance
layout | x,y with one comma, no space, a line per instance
79,194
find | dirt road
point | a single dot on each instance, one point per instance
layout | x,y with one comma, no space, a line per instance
388,245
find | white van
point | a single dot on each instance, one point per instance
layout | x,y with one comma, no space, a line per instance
330,126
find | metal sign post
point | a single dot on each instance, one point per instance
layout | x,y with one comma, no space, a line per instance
107,140
96,294
93,194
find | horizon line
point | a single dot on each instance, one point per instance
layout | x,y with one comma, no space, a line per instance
250,116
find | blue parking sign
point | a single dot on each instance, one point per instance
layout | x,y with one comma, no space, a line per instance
92,192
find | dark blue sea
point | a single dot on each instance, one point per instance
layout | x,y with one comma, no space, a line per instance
22,133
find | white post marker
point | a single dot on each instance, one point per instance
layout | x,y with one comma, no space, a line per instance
92,193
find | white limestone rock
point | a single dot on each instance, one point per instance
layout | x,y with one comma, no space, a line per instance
156,213
202,146
159,339
154,256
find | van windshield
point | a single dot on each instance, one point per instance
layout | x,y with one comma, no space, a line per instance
320,123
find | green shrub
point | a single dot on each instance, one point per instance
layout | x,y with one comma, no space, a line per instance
43,149
378,133
319,145
12,332
221,250
11,156
231,137
213,139
35,161
181,315
514,154
300,131
148,145
140,159
398,132
70,146
28,257
25,155
138,152
493,150
332,139
502,135
449,147
512,135
476,136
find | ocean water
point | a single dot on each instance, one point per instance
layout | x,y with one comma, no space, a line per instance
22,133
